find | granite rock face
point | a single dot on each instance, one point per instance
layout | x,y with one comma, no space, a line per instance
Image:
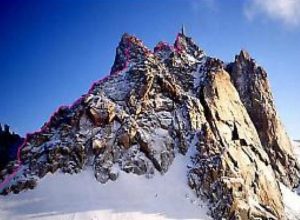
156,105
252,84
231,167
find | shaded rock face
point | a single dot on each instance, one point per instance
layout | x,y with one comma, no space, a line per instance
9,142
154,106
254,89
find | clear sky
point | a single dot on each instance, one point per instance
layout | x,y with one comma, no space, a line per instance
52,51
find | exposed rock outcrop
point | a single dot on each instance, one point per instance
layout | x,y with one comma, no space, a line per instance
155,105
9,142
251,82
230,161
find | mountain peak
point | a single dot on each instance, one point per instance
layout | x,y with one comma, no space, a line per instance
244,55
163,50
130,40
129,49
186,44
222,122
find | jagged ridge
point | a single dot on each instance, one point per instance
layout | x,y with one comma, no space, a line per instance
155,105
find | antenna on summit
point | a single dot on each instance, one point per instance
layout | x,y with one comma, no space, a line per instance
183,30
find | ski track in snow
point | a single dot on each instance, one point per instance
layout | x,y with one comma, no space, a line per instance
81,197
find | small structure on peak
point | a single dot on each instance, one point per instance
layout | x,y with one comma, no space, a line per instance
183,30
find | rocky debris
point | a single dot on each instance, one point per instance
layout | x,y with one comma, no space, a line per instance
154,106
252,84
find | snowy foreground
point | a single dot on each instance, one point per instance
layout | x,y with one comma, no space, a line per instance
81,197
292,199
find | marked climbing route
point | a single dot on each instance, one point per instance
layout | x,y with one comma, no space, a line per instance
177,48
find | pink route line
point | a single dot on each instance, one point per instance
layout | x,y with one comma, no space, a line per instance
44,128
177,48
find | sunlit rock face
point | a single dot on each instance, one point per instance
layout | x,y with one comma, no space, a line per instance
156,105
253,87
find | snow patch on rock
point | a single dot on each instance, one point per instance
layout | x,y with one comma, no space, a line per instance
291,199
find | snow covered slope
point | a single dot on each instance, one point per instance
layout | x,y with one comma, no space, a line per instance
70,197
292,199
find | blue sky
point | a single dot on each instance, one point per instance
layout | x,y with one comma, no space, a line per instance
52,51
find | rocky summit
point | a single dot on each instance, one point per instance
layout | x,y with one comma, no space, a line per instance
157,104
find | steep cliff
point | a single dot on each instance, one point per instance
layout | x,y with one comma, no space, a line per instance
156,105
